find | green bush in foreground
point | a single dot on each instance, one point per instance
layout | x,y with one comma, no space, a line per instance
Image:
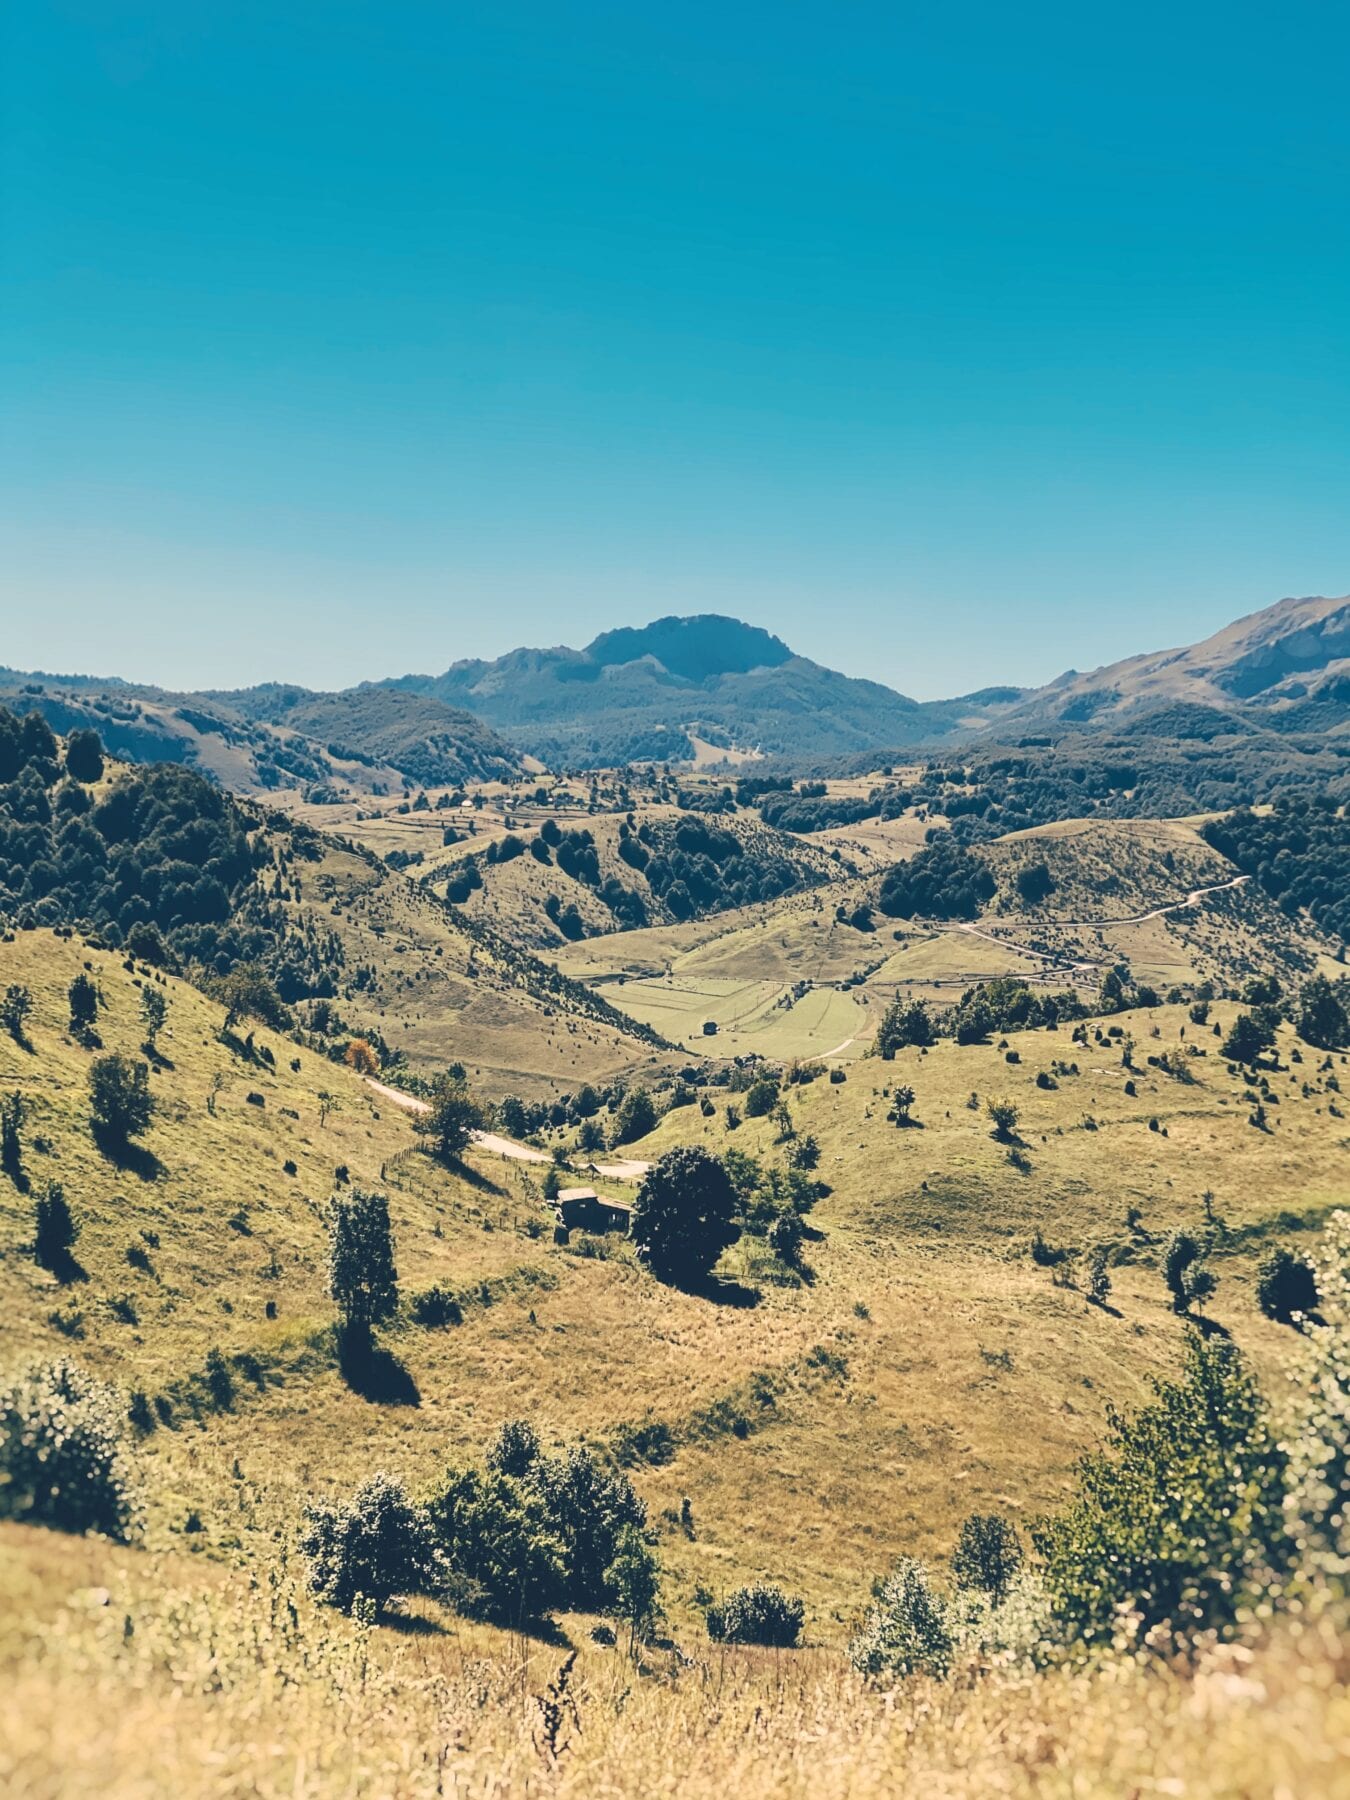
376,1548
1178,1522
62,1459
757,1615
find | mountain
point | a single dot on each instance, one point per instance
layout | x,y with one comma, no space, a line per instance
1286,667
648,693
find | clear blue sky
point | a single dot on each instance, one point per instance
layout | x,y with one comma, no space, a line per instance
956,343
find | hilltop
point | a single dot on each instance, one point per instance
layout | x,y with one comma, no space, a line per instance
1285,668
273,740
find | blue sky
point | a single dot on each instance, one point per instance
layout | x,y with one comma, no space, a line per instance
957,344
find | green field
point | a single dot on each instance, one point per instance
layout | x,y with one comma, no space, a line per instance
751,1016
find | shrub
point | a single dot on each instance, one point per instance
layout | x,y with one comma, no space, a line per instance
379,1546
759,1614
362,1277
906,1631
1178,1521
61,1453
494,1532
1286,1284
988,1555
120,1103
761,1097
435,1306
683,1219
1004,1116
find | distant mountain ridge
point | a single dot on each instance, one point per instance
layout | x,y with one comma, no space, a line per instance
645,693
642,692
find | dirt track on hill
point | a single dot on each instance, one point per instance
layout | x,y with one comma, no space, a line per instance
625,1168
1195,896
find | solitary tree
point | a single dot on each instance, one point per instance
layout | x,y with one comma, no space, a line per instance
454,1117
1246,1040
84,756
1323,1019
359,1056
120,1102
1189,1281
903,1101
83,996
683,1219
154,1011
362,1277
379,1546
785,1237
904,1022
14,1010
988,1555
634,1580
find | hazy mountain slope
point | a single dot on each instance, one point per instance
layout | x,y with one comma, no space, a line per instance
636,694
1287,666
431,743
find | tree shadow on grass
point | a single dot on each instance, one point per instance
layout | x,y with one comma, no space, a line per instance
411,1624
65,1267
373,1372
722,1291
133,1159
474,1177
1208,1327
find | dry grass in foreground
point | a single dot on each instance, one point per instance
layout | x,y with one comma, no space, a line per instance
150,1676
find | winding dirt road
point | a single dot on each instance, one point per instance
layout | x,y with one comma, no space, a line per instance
624,1168
1194,898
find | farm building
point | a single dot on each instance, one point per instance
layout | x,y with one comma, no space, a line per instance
582,1209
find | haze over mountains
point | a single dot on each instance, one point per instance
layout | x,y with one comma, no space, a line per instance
660,691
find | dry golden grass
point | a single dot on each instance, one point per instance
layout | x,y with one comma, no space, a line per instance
124,1676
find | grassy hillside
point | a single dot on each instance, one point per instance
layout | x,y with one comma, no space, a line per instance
441,988
294,743
929,1366
989,1401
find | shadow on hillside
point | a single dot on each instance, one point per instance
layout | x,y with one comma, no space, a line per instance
11,1161
411,1624
373,1372
475,1178
65,1268
1209,1327
132,1159
724,1292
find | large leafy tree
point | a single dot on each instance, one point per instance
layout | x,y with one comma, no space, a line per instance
685,1214
362,1276
120,1102
454,1117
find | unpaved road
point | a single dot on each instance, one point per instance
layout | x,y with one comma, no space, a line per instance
1195,896
624,1168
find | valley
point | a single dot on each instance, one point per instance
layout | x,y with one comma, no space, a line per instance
1010,1079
